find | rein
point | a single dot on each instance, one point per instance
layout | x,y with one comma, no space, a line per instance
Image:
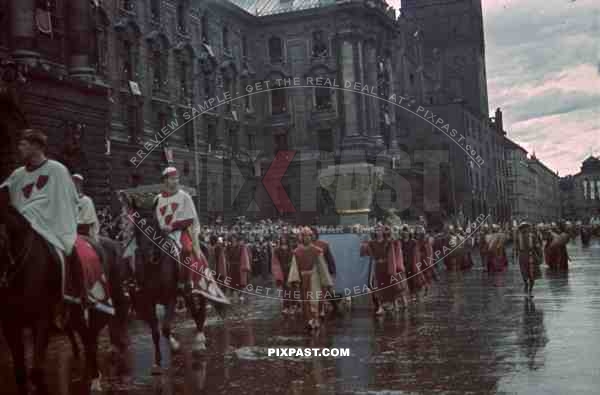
19,262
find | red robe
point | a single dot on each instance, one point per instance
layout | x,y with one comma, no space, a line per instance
309,269
239,265
216,255
281,261
324,246
383,253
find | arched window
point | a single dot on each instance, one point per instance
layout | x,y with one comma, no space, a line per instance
225,39
102,24
181,17
278,101
319,46
585,189
155,11
275,50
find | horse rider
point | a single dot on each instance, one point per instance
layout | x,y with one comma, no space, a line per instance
87,220
43,192
176,215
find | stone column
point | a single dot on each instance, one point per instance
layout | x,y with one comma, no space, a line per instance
80,38
23,33
350,101
371,80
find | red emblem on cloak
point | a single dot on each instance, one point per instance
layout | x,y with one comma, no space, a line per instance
41,182
27,189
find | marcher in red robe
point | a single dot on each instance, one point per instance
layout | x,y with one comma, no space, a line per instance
281,262
453,259
382,252
402,291
424,257
497,260
216,258
414,277
557,257
330,260
309,271
418,256
238,261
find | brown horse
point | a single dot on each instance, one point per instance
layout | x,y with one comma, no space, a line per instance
157,275
30,290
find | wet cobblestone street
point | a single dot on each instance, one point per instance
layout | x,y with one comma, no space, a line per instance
476,333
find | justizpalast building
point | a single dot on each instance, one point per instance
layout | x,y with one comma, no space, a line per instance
259,99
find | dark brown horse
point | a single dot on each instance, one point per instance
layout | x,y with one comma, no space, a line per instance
157,276
30,291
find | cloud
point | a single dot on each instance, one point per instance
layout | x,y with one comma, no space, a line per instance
542,65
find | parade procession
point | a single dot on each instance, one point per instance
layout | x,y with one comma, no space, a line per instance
298,197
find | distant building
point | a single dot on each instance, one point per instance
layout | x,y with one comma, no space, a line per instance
580,193
533,189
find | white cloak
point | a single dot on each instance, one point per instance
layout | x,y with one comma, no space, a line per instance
48,199
177,207
87,215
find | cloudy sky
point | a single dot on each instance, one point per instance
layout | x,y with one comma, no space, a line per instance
543,68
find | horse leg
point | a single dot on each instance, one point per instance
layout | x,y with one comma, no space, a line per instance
73,341
196,304
40,349
166,327
89,334
152,321
14,337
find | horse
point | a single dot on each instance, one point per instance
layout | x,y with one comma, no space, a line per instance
157,274
30,290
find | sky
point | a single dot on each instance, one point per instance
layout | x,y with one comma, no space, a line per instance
543,70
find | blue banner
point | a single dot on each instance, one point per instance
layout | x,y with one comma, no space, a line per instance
352,270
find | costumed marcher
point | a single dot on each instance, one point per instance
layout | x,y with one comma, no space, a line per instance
216,257
424,257
555,250
454,258
384,267
309,271
281,262
330,260
402,291
467,259
529,251
238,262
483,246
497,260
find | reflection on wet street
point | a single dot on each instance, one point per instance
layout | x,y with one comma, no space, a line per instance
476,333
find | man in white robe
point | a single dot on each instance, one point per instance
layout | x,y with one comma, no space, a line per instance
43,192
87,220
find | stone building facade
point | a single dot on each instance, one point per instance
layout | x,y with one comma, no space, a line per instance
580,193
533,189
108,79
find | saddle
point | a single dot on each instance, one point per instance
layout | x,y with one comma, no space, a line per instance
90,277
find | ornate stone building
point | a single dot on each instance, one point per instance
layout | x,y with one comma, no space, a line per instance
580,193
108,79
